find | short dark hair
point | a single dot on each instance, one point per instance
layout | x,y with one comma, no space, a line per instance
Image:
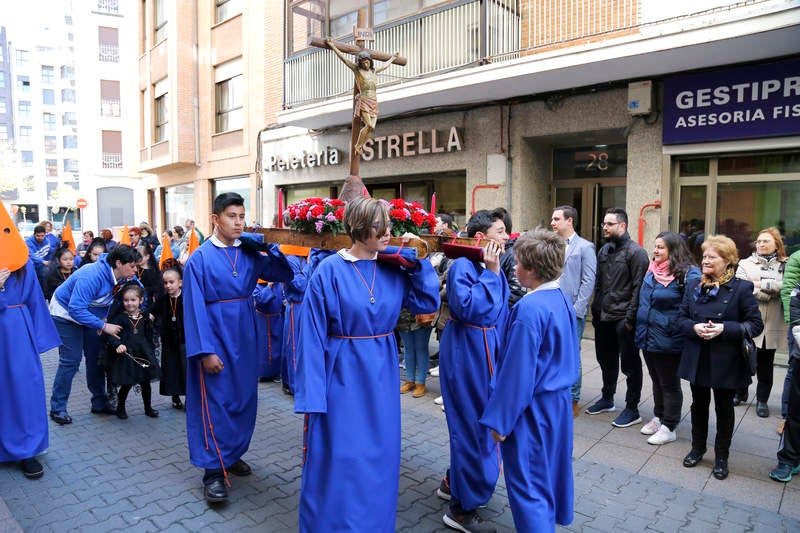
620,213
481,221
178,230
225,200
124,254
506,216
568,212
39,229
132,286
89,232
59,252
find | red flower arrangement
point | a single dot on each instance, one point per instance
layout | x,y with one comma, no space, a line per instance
409,217
315,215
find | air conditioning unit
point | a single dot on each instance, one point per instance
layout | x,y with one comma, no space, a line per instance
640,97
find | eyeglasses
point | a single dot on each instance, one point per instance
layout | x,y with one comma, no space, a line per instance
609,224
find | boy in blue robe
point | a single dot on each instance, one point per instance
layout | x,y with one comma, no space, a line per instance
268,299
222,359
347,377
26,330
530,409
477,294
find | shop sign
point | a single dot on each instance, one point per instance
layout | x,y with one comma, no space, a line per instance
740,103
413,143
306,159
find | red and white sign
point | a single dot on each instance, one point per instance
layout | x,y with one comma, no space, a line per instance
81,203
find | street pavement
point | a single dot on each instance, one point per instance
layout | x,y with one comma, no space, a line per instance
105,474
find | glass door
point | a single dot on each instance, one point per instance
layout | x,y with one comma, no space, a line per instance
591,199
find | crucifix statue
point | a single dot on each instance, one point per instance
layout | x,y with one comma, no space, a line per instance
365,102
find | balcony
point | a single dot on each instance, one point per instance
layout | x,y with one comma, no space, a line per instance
110,107
108,53
112,160
110,7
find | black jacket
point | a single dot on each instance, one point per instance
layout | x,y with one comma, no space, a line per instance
508,265
621,266
719,362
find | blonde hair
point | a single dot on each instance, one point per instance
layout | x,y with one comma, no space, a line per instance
776,234
724,246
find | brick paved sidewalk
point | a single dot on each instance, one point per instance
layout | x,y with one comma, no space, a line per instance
104,474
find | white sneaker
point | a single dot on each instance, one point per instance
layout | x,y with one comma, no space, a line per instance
435,371
651,427
662,436
439,400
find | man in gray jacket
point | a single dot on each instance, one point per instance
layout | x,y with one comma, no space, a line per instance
577,280
621,266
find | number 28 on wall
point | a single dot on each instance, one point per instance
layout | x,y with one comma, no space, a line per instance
597,161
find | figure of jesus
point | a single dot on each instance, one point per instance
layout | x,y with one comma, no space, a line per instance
365,100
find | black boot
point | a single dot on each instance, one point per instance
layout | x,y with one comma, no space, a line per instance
122,395
146,397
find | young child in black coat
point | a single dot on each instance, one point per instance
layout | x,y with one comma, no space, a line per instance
168,315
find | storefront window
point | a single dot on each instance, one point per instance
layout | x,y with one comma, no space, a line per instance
745,208
179,204
692,218
759,164
240,185
693,167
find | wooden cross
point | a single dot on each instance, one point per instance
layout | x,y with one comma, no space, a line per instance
353,186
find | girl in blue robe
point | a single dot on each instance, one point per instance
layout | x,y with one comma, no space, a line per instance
530,409
222,359
347,377
269,316
26,330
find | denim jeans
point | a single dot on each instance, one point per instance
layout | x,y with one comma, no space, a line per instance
77,341
576,387
416,356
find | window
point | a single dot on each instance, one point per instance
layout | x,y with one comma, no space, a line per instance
108,44
24,109
50,144
67,73
392,9
161,118
25,132
108,6
48,97
27,158
109,98
160,22
227,9
237,184
48,74
178,202
3,132
68,20
3,107
69,119
49,121
229,79
23,84
51,167
2,80
71,165
70,141
67,95
23,56
344,15
112,149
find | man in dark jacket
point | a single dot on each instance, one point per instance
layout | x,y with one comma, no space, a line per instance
621,266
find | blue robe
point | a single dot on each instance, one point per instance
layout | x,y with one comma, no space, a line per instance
470,344
269,317
219,318
26,330
532,405
347,382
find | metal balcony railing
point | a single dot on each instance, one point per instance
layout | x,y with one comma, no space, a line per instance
108,6
112,160
110,107
108,53
463,34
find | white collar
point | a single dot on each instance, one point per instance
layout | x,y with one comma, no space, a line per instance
219,244
347,256
547,286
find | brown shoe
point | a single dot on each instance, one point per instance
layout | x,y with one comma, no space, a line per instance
419,391
408,386
780,427
576,410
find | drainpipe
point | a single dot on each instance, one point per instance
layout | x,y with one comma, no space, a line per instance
643,222
196,86
508,160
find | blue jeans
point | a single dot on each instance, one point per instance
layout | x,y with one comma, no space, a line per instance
77,341
576,387
416,356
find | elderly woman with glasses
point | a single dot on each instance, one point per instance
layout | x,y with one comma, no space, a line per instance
347,376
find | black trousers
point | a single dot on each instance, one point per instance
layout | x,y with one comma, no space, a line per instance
764,371
723,405
614,348
789,449
147,393
667,393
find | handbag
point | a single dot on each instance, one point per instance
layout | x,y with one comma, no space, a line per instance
749,349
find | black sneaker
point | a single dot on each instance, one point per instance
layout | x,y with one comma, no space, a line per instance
601,406
444,489
627,418
468,522
32,469
784,472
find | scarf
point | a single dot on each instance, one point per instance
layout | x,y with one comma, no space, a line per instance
707,284
661,272
768,257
